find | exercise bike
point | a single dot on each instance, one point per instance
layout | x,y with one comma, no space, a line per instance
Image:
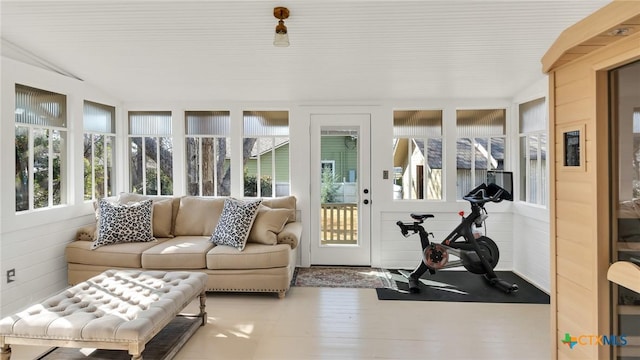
477,253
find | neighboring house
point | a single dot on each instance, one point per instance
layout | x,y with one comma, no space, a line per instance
271,155
410,170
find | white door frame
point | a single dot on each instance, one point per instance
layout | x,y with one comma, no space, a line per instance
359,254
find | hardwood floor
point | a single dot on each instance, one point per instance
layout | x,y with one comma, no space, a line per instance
332,323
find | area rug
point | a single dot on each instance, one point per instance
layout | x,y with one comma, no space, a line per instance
462,286
342,276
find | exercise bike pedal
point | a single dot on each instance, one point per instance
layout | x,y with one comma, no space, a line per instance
501,284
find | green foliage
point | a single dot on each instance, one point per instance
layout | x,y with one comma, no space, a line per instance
329,187
250,186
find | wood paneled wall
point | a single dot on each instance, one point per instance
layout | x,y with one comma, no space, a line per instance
580,200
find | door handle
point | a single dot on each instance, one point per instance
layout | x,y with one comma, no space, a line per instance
366,201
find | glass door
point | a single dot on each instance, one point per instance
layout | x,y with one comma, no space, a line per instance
624,89
340,193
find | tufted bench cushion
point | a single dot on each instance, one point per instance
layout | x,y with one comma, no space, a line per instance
117,306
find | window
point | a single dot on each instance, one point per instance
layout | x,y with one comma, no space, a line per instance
150,153
328,166
208,153
40,144
481,140
417,154
99,150
533,152
265,155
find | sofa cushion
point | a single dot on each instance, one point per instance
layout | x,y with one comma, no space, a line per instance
124,255
268,223
198,216
162,214
124,223
282,202
235,222
254,256
182,252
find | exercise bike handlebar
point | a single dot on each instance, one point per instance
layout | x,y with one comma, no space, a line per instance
483,194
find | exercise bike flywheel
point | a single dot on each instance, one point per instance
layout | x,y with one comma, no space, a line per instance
435,256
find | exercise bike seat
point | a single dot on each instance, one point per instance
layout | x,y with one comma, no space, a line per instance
421,216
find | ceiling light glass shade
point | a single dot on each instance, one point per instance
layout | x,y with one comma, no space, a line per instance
281,40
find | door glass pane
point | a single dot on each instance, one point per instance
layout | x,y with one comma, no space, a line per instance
625,206
338,186
40,168
22,168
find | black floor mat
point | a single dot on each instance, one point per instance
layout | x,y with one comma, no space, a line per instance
463,286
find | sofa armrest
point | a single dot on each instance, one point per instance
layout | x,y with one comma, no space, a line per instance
86,233
290,234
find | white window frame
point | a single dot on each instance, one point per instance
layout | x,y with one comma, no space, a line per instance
274,146
426,138
158,138
105,135
474,146
540,200
64,136
329,162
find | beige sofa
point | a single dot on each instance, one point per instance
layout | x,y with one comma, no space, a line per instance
182,227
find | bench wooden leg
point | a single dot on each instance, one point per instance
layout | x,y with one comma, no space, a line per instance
203,304
5,351
281,294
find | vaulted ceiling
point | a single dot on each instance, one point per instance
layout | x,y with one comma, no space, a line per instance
341,51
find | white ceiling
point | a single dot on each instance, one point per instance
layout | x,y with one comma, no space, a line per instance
340,50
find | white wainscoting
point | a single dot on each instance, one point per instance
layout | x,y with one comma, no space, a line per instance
398,252
531,245
37,254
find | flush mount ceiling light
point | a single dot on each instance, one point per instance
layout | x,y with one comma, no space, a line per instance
623,31
281,38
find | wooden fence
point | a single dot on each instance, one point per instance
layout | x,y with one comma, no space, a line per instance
339,224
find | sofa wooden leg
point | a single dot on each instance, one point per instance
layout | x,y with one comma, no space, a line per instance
281,294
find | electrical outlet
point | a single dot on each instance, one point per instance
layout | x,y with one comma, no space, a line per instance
11,274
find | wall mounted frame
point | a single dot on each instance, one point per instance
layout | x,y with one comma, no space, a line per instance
572,141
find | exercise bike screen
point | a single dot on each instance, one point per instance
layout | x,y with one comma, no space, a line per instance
504,179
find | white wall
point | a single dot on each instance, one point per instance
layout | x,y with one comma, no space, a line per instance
33,242
531,223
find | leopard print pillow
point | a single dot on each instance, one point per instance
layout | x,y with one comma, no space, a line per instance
235,223
124,223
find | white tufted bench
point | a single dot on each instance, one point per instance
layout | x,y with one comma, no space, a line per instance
118,309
